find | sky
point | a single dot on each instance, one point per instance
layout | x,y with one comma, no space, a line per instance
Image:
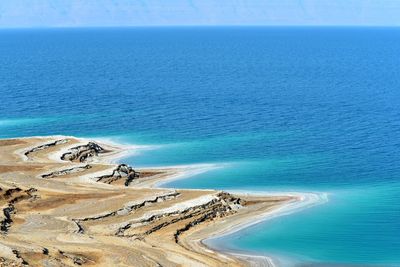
98,13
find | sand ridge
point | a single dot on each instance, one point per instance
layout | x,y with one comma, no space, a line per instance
65,204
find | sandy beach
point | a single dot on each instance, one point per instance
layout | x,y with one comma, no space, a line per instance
66,202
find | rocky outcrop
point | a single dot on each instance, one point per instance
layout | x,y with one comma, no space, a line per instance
9,199
66,171
75,258
83,152
78,221
125,210
79,226
41,147
19,257
5,223
226,205
219,205
122,171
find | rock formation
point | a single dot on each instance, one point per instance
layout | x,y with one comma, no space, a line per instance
41,147
123,171
8,199
66,171
54,214
83,152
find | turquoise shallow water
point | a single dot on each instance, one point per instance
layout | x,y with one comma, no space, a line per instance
357,225
276,109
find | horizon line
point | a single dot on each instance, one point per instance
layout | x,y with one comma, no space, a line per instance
204,26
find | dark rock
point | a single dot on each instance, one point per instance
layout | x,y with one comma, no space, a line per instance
41,147
66,171
122,171
83,152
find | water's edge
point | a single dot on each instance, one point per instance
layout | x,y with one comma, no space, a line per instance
301,200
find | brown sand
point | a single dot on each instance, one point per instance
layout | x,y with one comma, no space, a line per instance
61,213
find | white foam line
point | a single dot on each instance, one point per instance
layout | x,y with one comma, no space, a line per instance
186,171
128,146
303,200
259,259
125,149
128,149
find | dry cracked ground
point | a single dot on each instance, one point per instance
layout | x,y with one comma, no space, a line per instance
64,204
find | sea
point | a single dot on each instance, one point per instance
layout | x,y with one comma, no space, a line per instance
277,110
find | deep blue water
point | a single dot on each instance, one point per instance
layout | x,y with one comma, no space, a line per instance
279,109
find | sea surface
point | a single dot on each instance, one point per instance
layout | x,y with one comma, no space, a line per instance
280,109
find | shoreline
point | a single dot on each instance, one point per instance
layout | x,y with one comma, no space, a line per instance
198,237
301,200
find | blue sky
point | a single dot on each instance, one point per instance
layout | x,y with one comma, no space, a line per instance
86,13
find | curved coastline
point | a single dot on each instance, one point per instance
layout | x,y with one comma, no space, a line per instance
300,201
196,240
